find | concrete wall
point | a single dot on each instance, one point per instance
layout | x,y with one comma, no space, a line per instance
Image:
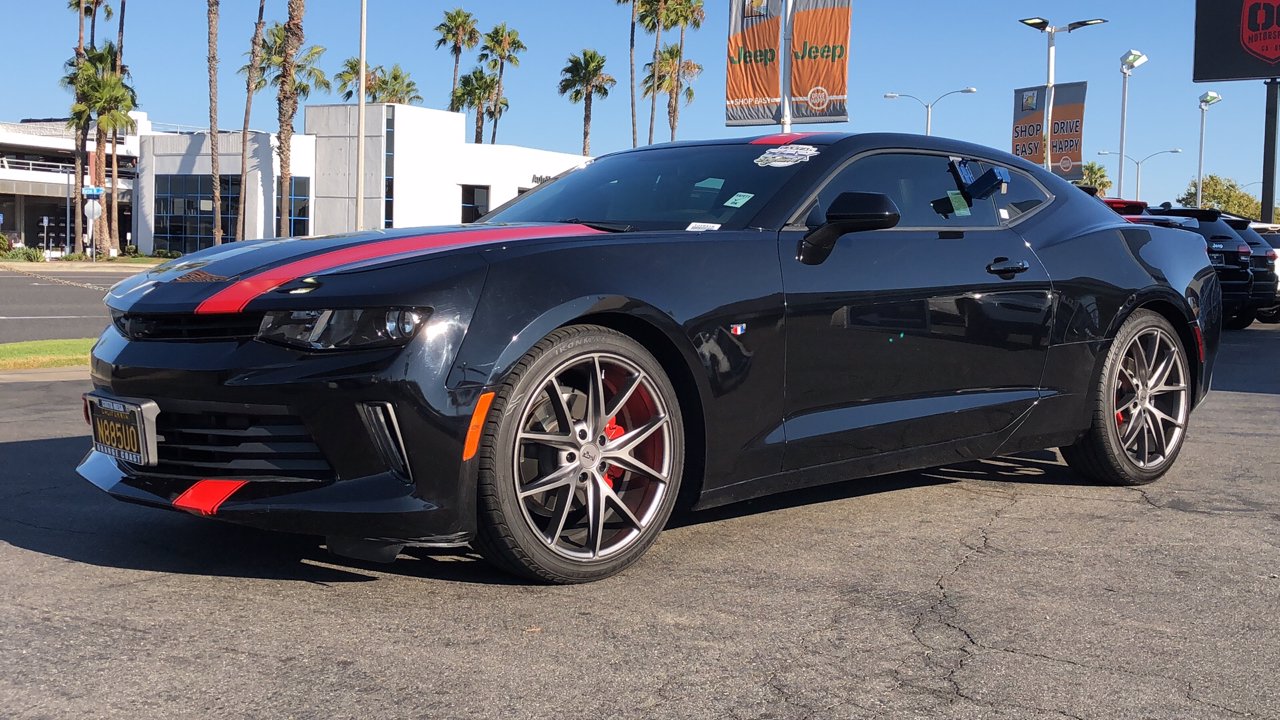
334,185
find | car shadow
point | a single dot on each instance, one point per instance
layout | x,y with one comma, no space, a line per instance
1247,360
46,508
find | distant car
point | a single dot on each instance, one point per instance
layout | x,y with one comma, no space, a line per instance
1263,298
1231,257
1271,316
712,320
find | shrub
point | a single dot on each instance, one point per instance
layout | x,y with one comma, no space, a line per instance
166,254
130,251
25,254
5,245
75,257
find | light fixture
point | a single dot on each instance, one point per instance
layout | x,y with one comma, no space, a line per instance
1038,23
1132,59
969,90
1084,23
1210,98
891,96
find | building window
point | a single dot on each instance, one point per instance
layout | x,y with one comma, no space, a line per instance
184,211
388,211
299,205
475,202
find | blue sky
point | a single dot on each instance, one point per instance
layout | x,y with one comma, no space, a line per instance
923,47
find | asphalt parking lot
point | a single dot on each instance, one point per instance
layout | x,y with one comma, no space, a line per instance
45,302
1002,589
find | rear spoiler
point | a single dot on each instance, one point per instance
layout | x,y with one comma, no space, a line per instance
1184,223
1126,207
1201,214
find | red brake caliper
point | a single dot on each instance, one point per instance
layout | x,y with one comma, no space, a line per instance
1119,418
613,431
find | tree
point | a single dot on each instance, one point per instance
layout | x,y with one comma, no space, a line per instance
306,71
1095,176
396,86
115,135
1224,194
635,11
90,8
251,82
501,47
653,16
287,94
458,32
684,14
212,16
81,130
475,91
582,79
670,75
106,99
349,79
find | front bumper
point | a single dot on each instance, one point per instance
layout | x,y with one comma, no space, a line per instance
296,430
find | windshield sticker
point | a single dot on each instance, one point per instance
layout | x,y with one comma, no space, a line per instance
958,204
701,226
738,200
786,155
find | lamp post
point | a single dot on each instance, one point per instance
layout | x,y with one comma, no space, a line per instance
359,149
1049,29
1207,99
1138,192
928,107
1128,62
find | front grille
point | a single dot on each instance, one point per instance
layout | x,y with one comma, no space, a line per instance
266,443
188,326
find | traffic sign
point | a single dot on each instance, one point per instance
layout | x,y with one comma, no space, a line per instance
91,191
93,210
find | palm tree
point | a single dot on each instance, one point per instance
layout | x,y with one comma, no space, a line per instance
106,98
396,86
654,17
582,79
349,79
307,74
251,81
475,91
1095,176
458,31
635,12
287,94
115,136
90,8
685,14
213,121
669,76
81,132
501,46
497,107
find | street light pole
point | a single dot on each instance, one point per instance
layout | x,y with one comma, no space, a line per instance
1128,62
1049,29
1138,193
359,149
1206,100
928,107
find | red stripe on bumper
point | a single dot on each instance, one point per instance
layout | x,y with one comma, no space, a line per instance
206,496
236,297
781,138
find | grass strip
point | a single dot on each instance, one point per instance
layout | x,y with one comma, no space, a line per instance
45,353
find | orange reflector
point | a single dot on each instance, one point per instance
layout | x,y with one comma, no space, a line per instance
477,426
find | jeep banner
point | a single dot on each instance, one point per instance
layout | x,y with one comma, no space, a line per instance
1237,40
820,60
1067,141
753,86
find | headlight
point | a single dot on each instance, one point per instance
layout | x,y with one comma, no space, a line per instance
342,329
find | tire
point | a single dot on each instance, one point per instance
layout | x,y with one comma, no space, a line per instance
1240,320
1270,316
555,503
1127,443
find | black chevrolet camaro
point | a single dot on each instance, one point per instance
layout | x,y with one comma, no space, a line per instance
700,323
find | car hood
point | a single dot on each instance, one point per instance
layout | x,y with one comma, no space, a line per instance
228,278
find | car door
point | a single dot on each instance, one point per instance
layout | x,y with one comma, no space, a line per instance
931,332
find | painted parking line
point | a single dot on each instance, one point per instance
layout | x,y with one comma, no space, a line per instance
52,317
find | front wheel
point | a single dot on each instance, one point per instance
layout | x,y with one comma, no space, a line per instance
581,458
1141,405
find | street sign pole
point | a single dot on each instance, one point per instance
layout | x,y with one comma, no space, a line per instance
1269,153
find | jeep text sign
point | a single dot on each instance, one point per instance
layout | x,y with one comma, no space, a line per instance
820,60
753,84
1237,40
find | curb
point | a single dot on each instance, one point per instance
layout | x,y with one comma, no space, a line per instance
77,267
58,280
61,374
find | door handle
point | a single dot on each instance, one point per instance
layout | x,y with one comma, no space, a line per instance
1005,268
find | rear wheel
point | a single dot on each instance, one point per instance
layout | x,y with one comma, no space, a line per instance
1240,320
1270,316
1141,405
581,458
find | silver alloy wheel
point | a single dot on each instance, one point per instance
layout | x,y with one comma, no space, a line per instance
1151,398
592,457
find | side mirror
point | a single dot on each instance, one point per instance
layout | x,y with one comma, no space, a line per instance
849,212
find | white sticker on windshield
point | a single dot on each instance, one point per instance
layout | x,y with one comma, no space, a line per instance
738,200
701,226
786,155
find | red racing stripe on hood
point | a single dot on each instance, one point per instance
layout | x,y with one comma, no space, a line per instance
236,297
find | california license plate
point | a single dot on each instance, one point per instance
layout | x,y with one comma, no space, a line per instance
123,429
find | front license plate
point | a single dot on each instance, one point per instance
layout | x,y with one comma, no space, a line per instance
122,429
1215,258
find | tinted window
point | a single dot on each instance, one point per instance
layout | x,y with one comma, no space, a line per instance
1251,236
1020,197
923,187
665,188
1273,239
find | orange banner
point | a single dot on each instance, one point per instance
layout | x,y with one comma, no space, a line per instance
752,89
820,60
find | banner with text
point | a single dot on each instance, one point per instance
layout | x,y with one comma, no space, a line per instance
1067,137
820,31
753,93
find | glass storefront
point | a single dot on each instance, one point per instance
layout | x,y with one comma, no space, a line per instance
184,211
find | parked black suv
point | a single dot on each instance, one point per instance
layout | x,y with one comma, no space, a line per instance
1231,256
1263,298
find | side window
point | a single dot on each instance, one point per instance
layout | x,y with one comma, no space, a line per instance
923,187
1020,197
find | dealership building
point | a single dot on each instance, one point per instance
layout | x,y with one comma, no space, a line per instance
419,170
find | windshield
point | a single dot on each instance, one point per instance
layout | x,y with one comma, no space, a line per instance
706,187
